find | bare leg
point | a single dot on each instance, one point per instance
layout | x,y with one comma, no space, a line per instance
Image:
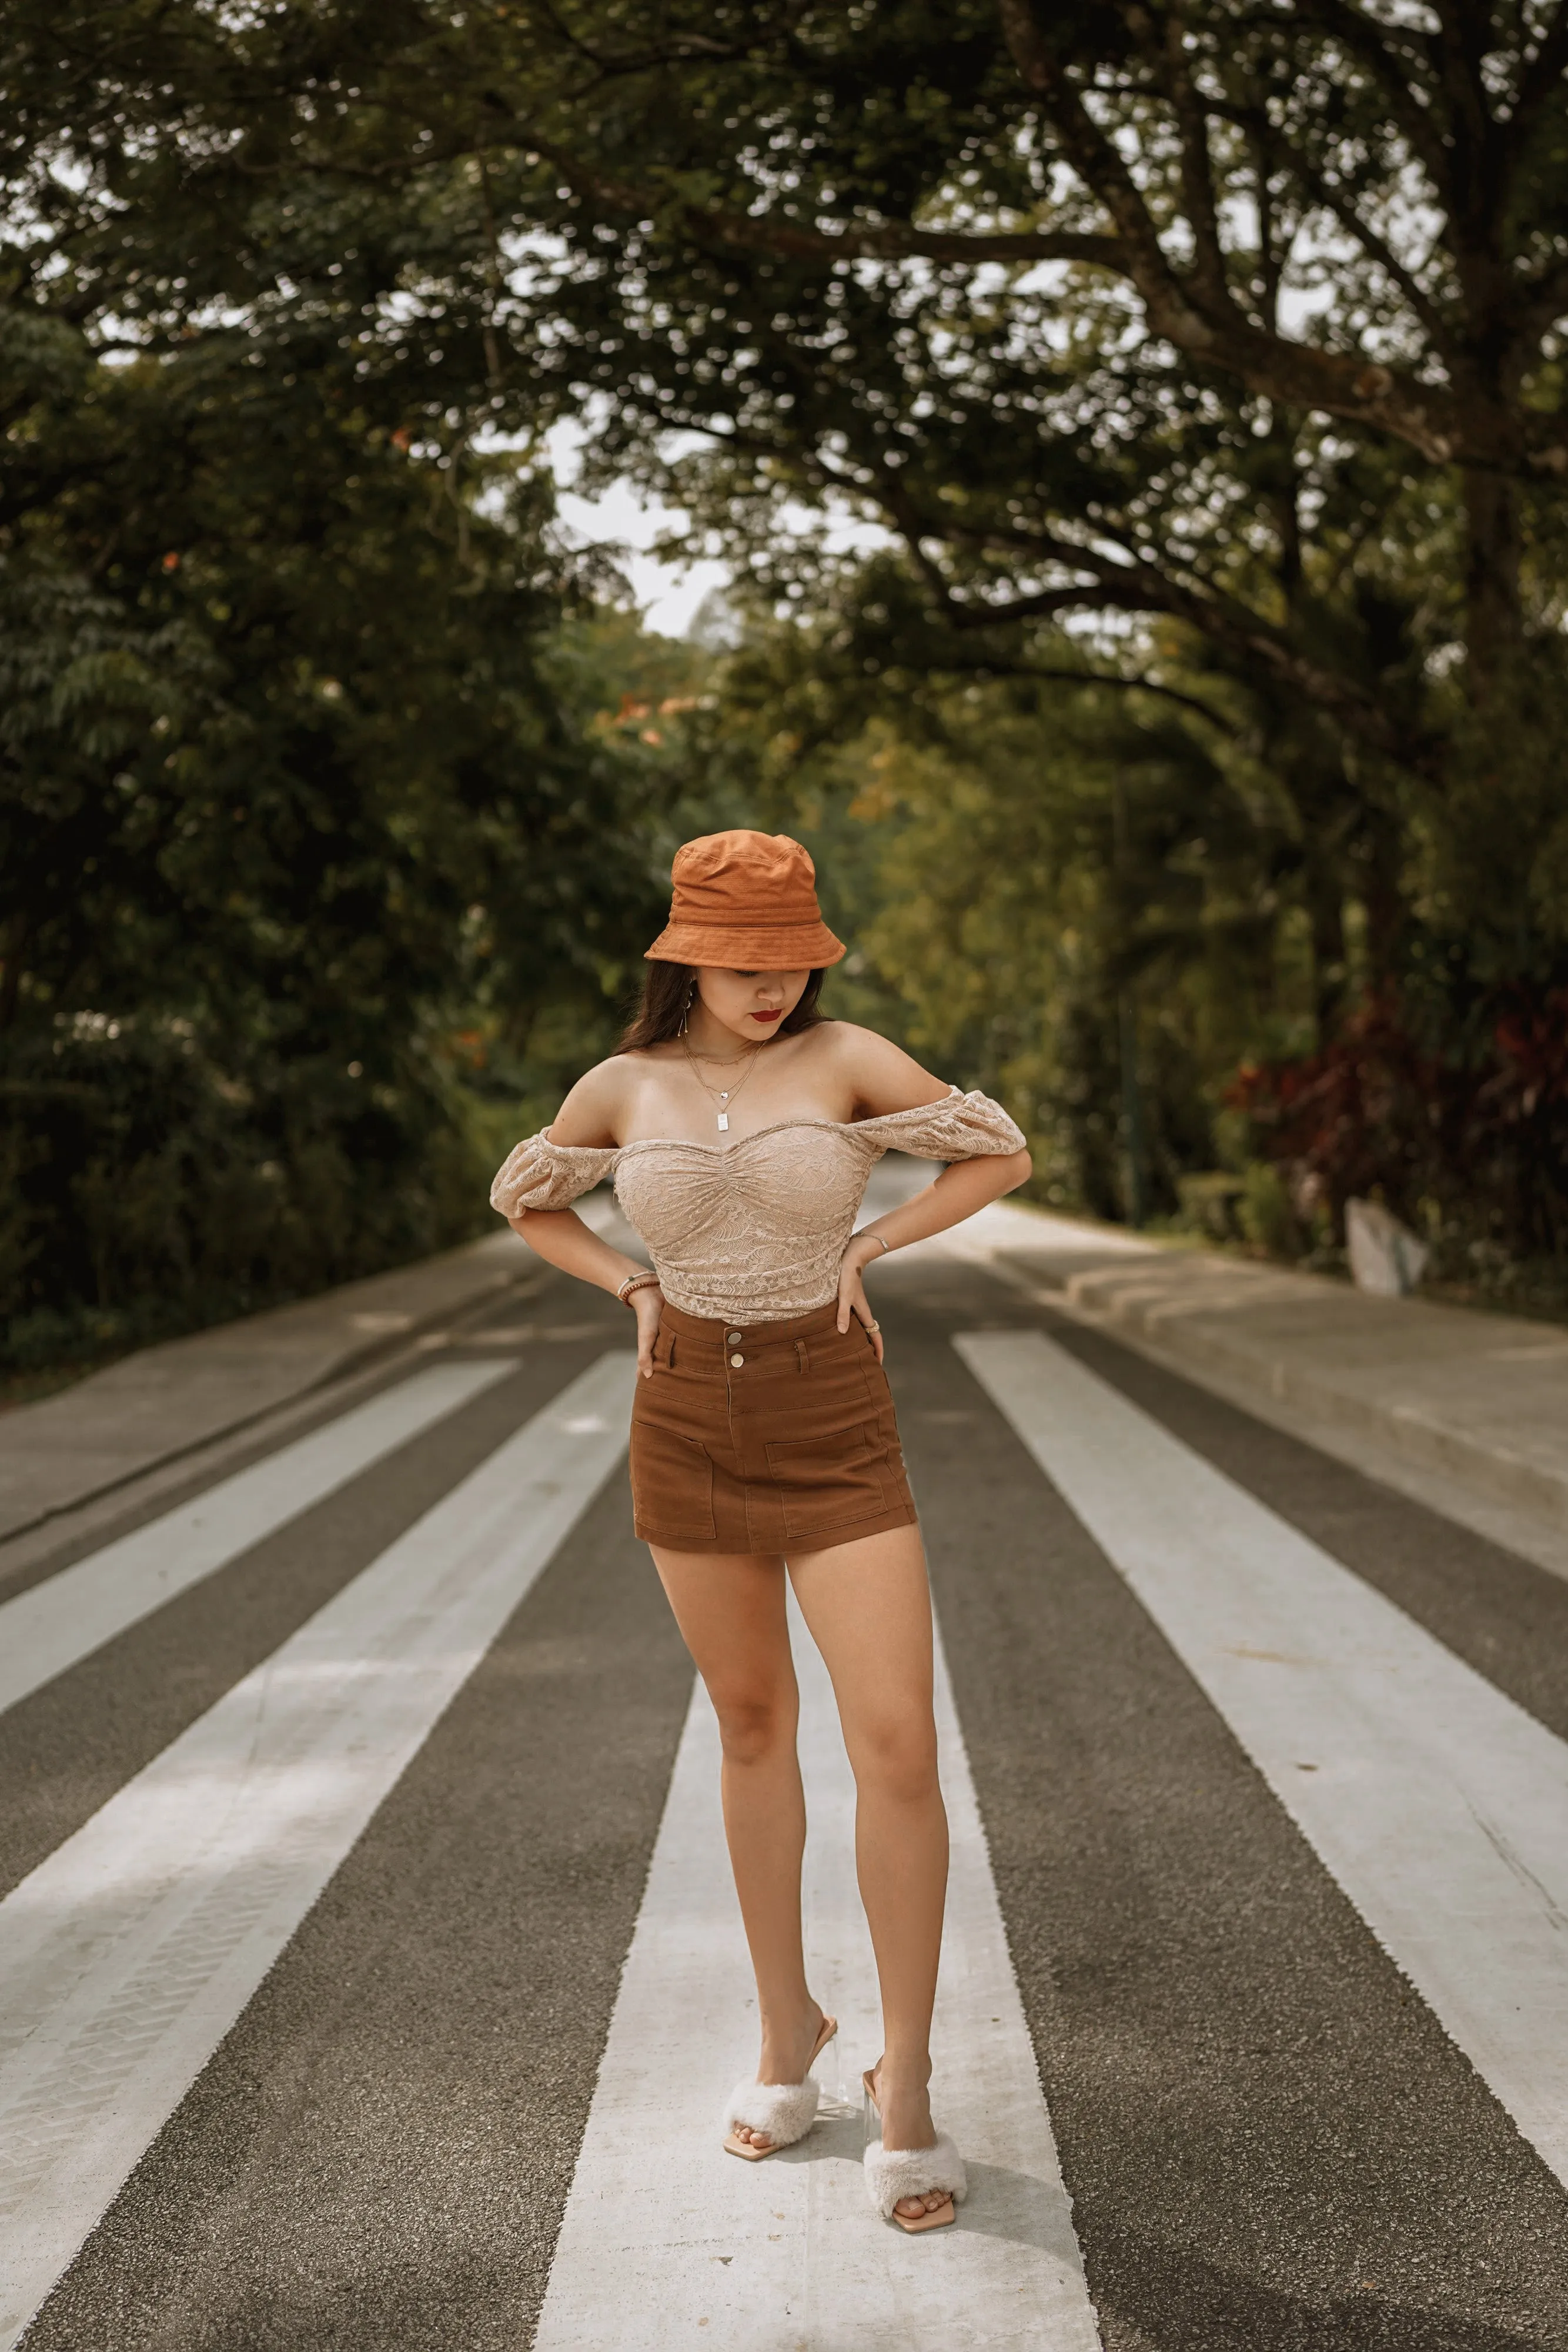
730,1610
869,1608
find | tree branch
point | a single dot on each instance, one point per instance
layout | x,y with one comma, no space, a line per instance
1049,601
1099,164
1445,427
1541,77
1265,140
792,240
1238,633
986,665
1363,38
681,51
1192,126
1467,426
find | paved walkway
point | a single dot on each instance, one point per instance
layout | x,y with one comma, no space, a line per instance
1477,1400
370,1972
1481,1397
168,1400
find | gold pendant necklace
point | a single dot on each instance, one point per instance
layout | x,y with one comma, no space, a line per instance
723,1096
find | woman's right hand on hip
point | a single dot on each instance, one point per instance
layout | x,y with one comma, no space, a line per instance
647,1305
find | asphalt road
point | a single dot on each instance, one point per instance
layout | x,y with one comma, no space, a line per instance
355,2121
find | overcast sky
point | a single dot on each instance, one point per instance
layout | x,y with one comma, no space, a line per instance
668,594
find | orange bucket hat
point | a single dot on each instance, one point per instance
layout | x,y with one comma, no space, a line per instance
746,900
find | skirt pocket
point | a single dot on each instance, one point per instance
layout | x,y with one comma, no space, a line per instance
671,1484
832,1480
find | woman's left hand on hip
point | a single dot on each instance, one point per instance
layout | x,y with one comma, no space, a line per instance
852,1299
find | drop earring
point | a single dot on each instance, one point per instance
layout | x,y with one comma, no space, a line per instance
687,1007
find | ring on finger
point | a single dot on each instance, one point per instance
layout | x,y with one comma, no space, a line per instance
874,1327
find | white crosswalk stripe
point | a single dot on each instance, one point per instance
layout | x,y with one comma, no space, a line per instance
51,1627
665,2235
1439,1805
127,1955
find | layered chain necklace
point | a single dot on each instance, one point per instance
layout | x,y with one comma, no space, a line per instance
722,1095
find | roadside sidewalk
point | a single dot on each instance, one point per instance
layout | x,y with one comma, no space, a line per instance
1477,1402
1468,1411
166,1401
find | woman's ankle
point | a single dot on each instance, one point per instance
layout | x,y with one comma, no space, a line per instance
785,2030
904,2107
784,2016
905,2070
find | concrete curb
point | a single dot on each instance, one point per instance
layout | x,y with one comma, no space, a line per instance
1482,1399
166,1401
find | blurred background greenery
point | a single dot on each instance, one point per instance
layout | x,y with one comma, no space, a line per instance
1176,724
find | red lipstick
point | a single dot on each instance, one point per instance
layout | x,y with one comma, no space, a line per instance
778,1015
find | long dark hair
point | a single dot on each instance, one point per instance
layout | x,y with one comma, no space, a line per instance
666,993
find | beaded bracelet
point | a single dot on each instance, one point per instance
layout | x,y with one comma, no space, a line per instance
634,1282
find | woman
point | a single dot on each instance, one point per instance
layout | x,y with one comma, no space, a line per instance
742,1126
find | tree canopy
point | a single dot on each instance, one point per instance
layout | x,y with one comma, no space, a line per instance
303,811
1189,372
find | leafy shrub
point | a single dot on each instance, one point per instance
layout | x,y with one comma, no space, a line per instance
1474,1140
1209,1203
1267,1218
170,1179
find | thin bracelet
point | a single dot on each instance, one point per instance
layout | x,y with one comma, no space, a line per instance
641,1281
877,1237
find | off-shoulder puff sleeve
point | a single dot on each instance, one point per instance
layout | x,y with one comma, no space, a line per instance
963,1127
539,1174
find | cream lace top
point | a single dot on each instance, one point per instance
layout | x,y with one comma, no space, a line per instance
751,1232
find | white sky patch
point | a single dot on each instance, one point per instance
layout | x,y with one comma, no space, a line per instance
669,589
667,593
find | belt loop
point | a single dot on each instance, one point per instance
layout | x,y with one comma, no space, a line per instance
800,1354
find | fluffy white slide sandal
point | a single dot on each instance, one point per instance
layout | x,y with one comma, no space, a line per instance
785,2111
892,2173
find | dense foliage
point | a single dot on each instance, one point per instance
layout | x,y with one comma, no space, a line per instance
303,818
1233,340
1095,904
1192,375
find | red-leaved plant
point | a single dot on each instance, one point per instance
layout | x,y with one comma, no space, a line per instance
1481,1143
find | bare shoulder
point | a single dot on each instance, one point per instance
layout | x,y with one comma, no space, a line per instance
879,1076
593,1114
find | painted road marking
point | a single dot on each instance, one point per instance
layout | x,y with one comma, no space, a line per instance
55,1624
127,1955
665,2236
1439,1805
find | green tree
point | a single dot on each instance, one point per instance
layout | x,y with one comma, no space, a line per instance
962,266
1230,339
302,815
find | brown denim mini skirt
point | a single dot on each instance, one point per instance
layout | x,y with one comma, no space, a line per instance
776,1438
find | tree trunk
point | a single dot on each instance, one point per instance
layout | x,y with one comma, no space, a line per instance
1134,1143
11,958
1493,625
1384,904
1330,969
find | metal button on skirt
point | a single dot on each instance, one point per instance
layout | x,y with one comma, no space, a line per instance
771,1437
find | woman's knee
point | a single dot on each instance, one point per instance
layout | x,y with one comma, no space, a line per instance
895,1755
753,1725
